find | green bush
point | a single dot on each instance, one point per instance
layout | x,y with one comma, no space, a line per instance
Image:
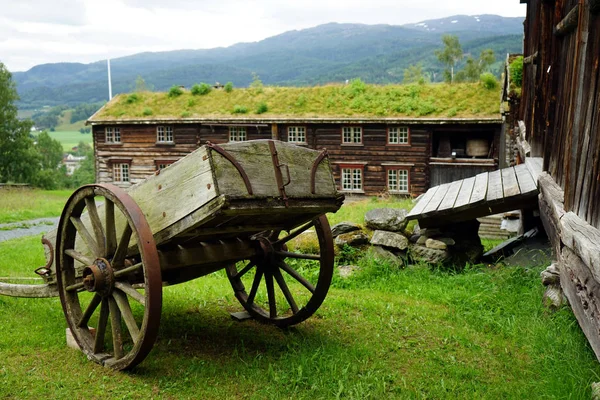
191,103
228,87
356,87
147,111
186,114
262,108
201,89
301,101
237,109
516,72
489,81
175,91
132,98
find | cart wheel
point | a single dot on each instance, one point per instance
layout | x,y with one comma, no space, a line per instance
302,279
102,259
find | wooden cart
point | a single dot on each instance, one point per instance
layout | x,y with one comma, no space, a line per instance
234,207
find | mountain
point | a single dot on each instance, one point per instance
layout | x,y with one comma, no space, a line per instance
326,53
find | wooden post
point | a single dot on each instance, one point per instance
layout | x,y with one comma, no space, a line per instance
532,59
274,132
569,23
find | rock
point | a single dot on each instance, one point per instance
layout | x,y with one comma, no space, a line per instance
550,276
414,238
353,239
434,256
347,271
447,241
430,232
383,255
389,239
554,297
435,244
422,240
386,219
344,227
595,390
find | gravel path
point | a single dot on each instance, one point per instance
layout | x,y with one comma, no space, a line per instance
27,228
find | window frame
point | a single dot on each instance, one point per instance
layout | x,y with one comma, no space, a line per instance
166,163
353,129
352,168
120,164
397,169
239,129
167,131
389,129
114,132
297,127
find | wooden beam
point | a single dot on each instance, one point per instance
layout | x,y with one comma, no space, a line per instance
532,59
568,24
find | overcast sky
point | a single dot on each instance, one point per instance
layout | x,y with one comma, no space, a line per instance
44,31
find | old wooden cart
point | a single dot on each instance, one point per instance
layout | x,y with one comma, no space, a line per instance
234,207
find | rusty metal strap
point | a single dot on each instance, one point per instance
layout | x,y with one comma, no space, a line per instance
234,162
278,176
313,173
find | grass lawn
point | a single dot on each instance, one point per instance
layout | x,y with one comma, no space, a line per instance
24,204
382,333
70,139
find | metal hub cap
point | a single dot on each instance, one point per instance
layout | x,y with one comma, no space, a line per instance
99,277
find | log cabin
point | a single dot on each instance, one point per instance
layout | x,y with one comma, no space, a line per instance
381,139
559,121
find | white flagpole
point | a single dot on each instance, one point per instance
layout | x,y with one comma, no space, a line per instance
109,82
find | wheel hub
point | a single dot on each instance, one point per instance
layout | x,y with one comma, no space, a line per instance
99,277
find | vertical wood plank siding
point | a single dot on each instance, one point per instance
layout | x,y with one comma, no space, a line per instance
560,101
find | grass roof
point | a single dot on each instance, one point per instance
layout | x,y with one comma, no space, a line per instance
355,100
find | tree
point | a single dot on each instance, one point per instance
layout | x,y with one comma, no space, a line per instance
50,151
450,55
141,85
414,74
85,174
18,158
474,68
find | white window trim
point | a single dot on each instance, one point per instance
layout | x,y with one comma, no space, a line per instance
120,168
397,176
235,134
352,169
167,133
398,133
293,137
352,135
113,133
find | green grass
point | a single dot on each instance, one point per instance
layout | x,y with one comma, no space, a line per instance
413,101
24,204
70,139
383,333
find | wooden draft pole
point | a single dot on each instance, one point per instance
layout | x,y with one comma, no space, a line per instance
568,24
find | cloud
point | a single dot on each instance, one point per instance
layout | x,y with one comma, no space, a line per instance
59,12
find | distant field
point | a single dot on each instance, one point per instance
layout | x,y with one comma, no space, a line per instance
64,122
70,139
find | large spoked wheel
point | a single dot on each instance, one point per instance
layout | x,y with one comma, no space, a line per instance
295,284
105,254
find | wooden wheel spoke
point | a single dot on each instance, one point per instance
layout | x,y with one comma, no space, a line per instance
92,210
128,270
127,314
74,287
111,231
89,311
293,234
271,294
87,238
130,290
115,323
74,254
294,274
255,284
285,290
121,251
243,272
101,330
298,255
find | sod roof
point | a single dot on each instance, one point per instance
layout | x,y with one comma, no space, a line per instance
467,101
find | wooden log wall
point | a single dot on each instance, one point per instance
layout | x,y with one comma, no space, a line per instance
560,98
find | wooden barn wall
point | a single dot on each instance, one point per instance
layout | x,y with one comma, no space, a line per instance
560,101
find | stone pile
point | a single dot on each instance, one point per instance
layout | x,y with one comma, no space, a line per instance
457,244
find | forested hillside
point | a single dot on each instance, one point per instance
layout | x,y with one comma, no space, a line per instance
327,53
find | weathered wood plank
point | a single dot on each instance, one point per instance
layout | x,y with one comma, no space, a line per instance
583,239
509,182
569,23
479,189
422,203
495,191
451,195
526,182
535,166
18,290
436,200
465,193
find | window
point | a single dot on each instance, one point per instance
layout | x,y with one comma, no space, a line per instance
164,134
162,164
237,134
297,134
398,135
397,180
352,178
121,172
113,135
352,135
